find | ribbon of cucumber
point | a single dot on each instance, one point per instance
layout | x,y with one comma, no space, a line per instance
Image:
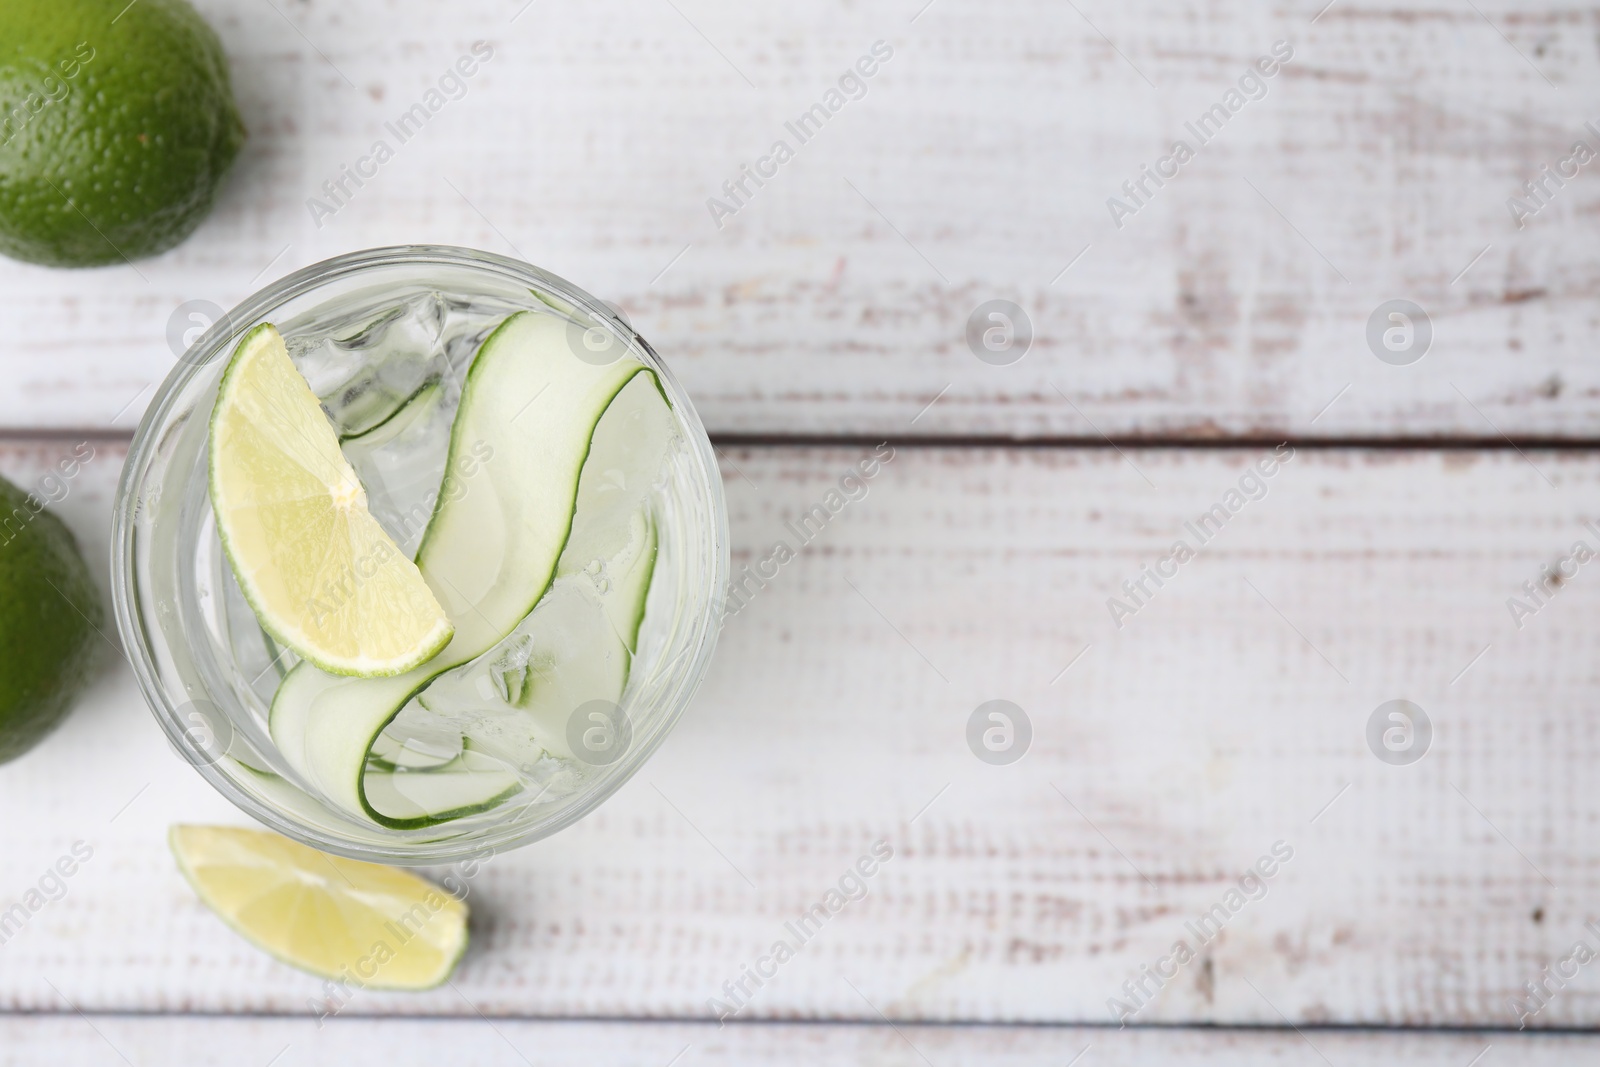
520,506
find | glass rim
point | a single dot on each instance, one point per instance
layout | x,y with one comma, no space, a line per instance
126,592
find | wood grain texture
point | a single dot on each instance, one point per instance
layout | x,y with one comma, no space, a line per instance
1228,714
72,1042
977,166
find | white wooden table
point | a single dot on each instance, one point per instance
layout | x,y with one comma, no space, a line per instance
1226,715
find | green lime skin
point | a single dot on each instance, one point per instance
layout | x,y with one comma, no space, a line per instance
50,610
117,126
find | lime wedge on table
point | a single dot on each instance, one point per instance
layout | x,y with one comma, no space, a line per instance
338,918
321,574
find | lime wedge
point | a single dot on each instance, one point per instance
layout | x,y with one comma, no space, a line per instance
561,430
374,926
322,576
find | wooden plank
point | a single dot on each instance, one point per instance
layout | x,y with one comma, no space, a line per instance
978,166
1228,714
203,1042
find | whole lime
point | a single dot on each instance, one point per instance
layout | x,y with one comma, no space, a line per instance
49,612
117,125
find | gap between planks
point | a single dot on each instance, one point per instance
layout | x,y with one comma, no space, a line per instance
26,435
860,1023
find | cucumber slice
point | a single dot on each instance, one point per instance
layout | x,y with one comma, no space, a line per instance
576,647
400,463
520,483
515,701
406,414
472,782
417,751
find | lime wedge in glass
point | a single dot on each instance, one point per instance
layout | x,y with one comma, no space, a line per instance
322,576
